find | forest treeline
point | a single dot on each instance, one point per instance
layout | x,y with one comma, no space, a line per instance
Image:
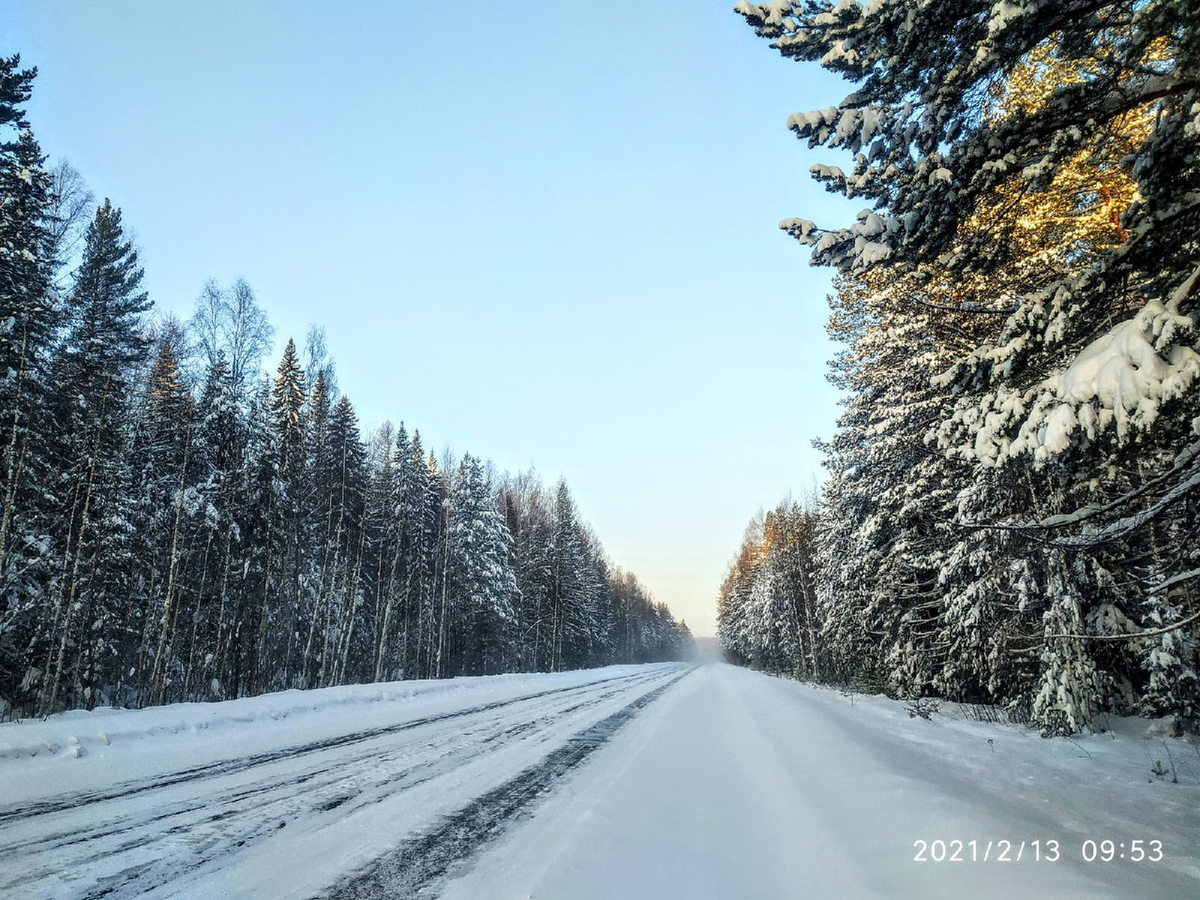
178,525
1013,494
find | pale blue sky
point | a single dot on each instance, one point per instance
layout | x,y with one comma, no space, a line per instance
541,233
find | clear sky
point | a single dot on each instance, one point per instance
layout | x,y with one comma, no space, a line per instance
542,233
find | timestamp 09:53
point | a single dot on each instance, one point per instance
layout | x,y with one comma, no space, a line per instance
951,851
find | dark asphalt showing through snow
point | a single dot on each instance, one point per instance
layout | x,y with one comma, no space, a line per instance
420,862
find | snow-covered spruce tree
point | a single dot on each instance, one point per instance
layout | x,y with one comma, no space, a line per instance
27,323
885,585
528,514
642,630
348,620
382,535
431,603
401,532
216,578
1090,376
166,505
772,624
235,455
421,490
1069,226
578,623
626,594
287,602
733,598
315,499
795,526
481,584
94,631
573,606
595,610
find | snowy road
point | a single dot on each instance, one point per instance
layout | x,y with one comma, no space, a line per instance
627,782
277,799
739,786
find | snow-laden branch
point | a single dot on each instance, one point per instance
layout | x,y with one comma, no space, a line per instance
1124,526
1181,578
1185,462
1118,382
1137,635
1182,462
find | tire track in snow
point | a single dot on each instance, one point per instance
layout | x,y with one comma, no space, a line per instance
231,767
434,758
421,861
359,771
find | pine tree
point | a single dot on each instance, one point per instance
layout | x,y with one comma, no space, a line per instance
568,601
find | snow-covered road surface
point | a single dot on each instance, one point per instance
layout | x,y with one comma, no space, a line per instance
279,796
737,786
626,782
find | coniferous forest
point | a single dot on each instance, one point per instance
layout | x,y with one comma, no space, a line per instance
179,524
1013,494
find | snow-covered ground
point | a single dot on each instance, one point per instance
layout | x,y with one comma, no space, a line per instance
655,782
275,796
738,785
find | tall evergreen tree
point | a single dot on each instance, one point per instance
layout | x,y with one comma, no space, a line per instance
93,632
258,637
288,594
27,324
481,582
529,517
217,578
339,605
418,509
380,522
165,501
